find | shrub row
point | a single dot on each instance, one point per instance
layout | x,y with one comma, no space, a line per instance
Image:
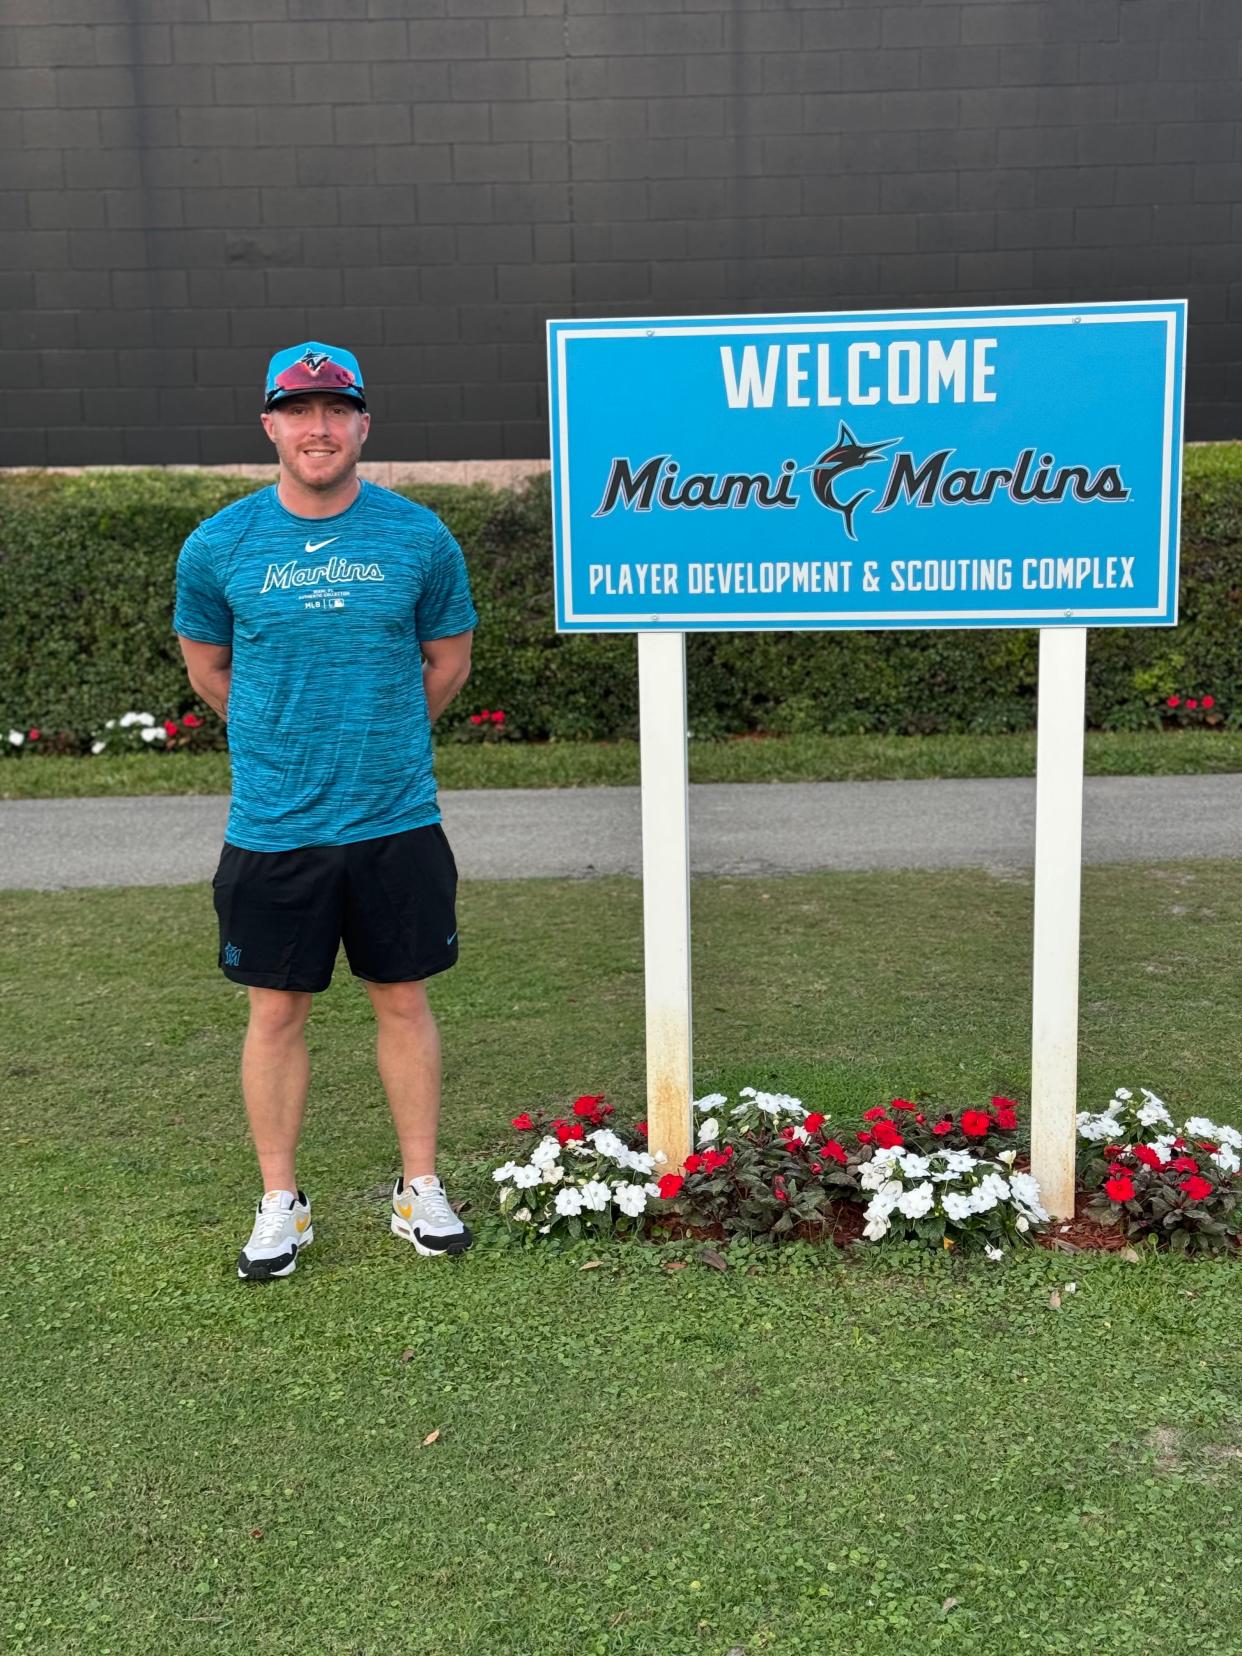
86,589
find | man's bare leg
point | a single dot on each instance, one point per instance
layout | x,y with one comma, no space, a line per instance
275,1080
407,1050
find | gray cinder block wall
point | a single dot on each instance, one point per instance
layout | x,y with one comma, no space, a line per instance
187,184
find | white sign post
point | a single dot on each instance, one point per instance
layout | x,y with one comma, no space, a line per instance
666,892
1058,886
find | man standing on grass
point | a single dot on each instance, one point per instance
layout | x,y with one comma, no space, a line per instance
330,622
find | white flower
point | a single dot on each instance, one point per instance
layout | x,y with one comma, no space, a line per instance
914,1166
885,1199
875,1172
500,1174
1161,1148
1230,1135
110,724
875,1228
631,1198
98,747
1008,1157
606,1142
713,1101
523,1214
1025,1188
1123,1095
1199,1127
526,1177
568,1202
1153,1112
709,1130
652,1189
993,1253
128,719
157,735
638,1161
16,737
1022,1223
1226,1158
145,718
957,1207
553,1173
914,1204
596,1196
547,1150
1096,1129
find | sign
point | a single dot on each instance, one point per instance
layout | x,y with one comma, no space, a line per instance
998,467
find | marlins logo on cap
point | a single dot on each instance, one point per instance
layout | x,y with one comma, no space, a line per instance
313,367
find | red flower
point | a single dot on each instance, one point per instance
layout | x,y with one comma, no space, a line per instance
1111,1150
788,1133
693,1163
714,1160
523,1123
1208,702
901,1104
940,1128
476,718
640,1127
1120,1188
837,1151
875,1114
813,1122
170,727
191,721
589,1107
1006,1113
778,1189
1148,1156
670,1186
975,1123
1173,701
920,1118
34,734
1210,1148
1184,1164
566,1130
1191,702
1197,1188
486,713
498,717
887,1136
865,1138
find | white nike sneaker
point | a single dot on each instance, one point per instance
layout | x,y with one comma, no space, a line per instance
422,1215
282,1228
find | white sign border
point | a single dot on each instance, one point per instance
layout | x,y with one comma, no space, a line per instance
826,620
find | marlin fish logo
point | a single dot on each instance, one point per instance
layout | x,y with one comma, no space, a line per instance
846,455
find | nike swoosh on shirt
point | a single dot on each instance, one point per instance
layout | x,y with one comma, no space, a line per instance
318,544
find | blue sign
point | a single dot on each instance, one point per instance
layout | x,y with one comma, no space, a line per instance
998,467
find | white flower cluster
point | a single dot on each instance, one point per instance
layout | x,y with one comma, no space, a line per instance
953,1184
603,1173
755,1111
17,738
144,723
1121,1122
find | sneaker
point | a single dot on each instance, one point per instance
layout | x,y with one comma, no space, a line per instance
282,1228
422,1215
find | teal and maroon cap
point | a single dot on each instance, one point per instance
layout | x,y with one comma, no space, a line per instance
313,367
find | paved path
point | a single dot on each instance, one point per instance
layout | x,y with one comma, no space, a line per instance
747,828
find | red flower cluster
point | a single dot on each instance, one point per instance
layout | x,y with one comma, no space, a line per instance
191,721
709,1161
591,1107
1119,1186
1192,703
488,716
670,1186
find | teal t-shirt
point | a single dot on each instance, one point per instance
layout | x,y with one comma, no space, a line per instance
328,726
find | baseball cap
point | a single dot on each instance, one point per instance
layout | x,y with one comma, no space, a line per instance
313,367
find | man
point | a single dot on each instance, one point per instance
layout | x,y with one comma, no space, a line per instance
330,622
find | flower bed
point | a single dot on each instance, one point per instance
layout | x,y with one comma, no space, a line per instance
765,1167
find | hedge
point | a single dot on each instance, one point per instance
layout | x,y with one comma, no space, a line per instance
86,590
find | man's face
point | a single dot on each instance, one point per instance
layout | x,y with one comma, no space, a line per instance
318,437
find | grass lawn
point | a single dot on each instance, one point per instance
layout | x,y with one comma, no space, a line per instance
611,764
805,1454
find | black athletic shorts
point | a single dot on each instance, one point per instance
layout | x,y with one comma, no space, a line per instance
391,901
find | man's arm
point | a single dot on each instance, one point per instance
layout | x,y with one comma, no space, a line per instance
446,667
210,668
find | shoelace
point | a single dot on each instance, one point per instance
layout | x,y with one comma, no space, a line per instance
269,1225
436,1205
